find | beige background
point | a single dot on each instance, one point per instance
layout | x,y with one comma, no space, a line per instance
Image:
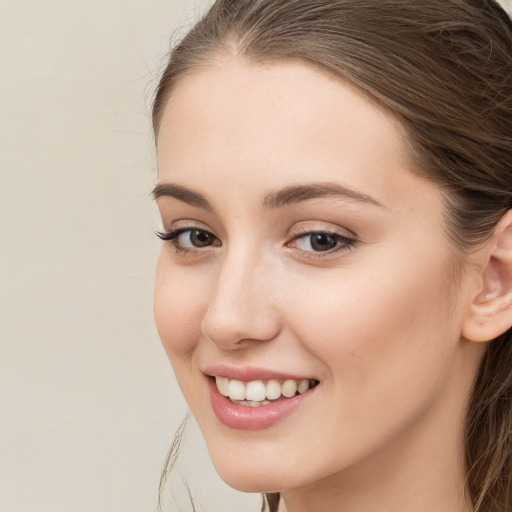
88,403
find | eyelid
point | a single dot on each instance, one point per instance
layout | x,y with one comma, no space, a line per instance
172,219
309,227
181,226
172,233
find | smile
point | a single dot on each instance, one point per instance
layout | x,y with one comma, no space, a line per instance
255,399
258,393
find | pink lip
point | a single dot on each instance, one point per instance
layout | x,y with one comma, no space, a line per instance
248,373
242,417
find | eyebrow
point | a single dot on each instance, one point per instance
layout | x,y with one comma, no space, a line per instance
183,194
299,193
276,199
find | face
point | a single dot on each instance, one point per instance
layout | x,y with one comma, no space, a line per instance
308,268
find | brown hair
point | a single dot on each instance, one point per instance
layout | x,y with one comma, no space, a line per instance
443,68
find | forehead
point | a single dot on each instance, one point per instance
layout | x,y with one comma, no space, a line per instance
283,122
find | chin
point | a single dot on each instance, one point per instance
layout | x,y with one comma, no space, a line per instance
251,481
253,475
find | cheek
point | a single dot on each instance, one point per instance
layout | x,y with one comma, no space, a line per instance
385,344
179,305
388,322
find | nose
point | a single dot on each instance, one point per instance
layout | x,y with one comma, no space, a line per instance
242,307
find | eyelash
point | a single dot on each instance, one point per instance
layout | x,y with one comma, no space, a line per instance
343,243
172,236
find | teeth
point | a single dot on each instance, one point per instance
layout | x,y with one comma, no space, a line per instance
236,390
289,388
256,392
249,403
223,385
273,390
303,386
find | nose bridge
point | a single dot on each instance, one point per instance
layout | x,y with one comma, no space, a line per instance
242,306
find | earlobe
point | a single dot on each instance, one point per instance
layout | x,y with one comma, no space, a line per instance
490,313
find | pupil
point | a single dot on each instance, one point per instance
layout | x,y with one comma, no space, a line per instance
322,242
200,238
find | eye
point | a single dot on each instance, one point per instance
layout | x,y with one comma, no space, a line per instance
321,241
185,239
195,238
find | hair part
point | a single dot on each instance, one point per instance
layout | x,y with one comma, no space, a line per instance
443,69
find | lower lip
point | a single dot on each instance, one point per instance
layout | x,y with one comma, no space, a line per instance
242,417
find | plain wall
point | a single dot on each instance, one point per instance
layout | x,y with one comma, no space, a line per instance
88,402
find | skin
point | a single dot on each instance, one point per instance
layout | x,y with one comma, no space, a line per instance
377,322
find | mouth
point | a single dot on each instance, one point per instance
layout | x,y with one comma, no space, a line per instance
257,393
252,399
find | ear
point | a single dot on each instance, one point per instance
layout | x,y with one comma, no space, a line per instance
490,313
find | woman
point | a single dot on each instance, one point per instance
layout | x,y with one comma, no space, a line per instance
335,287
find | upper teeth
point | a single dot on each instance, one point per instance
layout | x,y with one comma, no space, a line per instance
258,391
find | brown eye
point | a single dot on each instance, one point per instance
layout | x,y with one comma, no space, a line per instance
189,239
200,238
322,241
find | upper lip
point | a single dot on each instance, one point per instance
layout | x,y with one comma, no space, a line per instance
249,373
